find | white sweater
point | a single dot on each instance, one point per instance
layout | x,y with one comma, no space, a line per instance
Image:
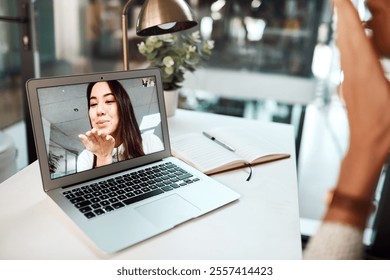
335,241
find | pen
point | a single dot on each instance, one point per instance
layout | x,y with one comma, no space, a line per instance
226,146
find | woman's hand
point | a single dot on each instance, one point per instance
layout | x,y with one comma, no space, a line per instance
100,144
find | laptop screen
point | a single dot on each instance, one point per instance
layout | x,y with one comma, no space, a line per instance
90,125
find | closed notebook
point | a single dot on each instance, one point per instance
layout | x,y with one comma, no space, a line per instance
225,148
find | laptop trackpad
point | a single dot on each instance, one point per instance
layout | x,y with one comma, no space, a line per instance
168,211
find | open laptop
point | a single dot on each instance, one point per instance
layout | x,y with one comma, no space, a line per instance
125,202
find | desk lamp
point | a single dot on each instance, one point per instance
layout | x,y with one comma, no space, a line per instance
157,17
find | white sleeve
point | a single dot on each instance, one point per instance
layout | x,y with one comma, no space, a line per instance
84,161
151,143
335,241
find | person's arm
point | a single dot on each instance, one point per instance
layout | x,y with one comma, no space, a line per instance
365,91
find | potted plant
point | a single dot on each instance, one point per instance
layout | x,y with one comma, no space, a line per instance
175,54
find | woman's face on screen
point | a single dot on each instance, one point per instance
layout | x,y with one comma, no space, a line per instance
103,109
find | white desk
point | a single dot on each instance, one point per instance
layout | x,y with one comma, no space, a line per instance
263,224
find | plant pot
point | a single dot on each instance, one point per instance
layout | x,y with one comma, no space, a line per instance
171,98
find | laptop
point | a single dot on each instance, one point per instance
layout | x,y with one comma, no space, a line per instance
129,199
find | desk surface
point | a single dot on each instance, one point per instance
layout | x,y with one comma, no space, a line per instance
263,224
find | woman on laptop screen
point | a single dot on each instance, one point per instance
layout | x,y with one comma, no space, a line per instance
114,134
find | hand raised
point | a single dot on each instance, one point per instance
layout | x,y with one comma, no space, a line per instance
100,144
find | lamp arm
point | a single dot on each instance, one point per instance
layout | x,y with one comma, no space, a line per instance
125,40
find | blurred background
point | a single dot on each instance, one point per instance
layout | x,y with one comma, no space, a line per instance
256,41
273,61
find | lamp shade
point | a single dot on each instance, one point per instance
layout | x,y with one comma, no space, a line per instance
164,16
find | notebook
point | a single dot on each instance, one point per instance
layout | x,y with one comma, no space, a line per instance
115,197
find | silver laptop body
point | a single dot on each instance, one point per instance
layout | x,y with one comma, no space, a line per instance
59,113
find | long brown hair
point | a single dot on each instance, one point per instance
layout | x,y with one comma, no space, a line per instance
128,131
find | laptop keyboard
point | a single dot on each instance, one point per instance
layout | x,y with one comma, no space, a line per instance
99,198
